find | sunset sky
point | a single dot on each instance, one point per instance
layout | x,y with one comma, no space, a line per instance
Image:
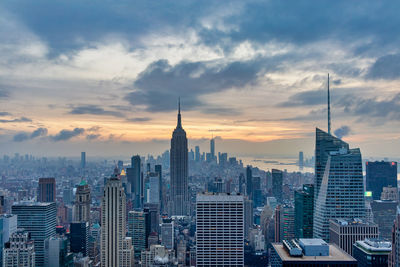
105,76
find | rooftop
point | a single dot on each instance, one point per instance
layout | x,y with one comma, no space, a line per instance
335,254
374,246
312,242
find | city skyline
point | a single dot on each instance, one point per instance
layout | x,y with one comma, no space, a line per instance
257,86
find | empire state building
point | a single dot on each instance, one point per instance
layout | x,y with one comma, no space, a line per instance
179,199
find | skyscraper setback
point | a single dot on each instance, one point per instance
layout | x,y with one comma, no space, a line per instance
339,183
179,202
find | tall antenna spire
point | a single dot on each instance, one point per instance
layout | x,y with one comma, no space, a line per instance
329,109
179,114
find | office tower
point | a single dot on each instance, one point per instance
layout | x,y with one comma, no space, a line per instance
384,212
120,165
248,216
56,252
134,176
197,153
394,258
191,155
304,211
301,160
344,233
39,219
219,236
257,193
167,233
82,202
20,250
242,184
157,255
380,174
287,220
179,204
79,237
249,182
309,252
68,195
47,190
341,190
212,149
277,183
83,161
223,159
390,193
139,230
277,224
154,216
116,248
158,169
153,192
372,252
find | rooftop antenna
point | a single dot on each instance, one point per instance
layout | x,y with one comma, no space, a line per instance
179,113
329,109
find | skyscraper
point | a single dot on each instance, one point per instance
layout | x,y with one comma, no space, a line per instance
83,161
301,160
179,204
139,229
116,248
134,176
341,188
56,252
219,236
47,190
249,182
212,148
304,211
158,169
39,219
167,233
197,153
79,237
380,174
384,212
277,183
82,202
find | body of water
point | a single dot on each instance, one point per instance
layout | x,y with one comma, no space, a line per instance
267,164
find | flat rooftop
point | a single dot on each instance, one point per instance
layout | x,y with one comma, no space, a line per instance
312,242
335,254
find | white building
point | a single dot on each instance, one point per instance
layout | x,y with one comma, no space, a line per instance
116,248
219,230
19,251
157,255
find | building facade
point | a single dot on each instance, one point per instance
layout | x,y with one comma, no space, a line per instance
19,251
304,211
277,185
47,190
372,252
82,202
219,230
380,174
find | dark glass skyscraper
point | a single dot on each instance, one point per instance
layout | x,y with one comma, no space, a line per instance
304,211
277,182
134,176
249,182
179,204
380,174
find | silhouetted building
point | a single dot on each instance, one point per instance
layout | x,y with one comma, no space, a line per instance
83,160
179,203
277,183
380,174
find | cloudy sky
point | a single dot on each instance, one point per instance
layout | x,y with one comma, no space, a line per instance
105,76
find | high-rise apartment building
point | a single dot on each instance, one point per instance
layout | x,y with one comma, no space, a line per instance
20,250
277,185
345,233
304,211
134,176
341,188
47,190
380,174
219,230
116,248
179,203
82,202
39,219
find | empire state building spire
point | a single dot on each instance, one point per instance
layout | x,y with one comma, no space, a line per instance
179,125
